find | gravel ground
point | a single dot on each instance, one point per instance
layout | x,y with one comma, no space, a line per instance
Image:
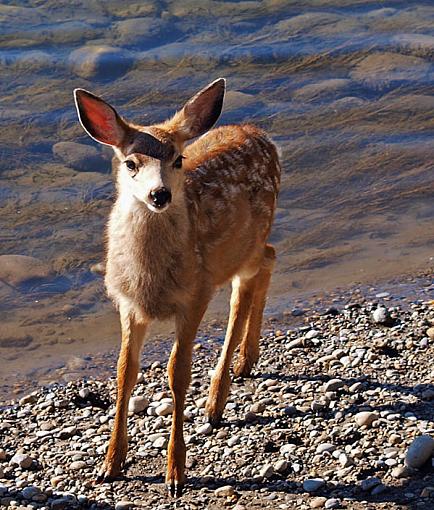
339,413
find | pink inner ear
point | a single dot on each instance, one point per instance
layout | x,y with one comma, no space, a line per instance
100,121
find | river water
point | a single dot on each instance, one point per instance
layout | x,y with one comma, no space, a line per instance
344,87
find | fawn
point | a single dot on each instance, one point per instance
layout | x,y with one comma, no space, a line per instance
187,219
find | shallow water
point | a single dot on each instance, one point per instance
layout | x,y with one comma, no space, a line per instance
344,87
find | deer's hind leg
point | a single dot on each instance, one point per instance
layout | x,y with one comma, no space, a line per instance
249,348
241,301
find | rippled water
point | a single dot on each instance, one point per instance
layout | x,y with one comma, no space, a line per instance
344,87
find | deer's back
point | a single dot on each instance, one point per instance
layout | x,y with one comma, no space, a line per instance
233,176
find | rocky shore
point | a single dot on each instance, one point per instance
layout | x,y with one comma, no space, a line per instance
339,413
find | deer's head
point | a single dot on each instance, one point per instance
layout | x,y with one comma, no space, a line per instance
151,156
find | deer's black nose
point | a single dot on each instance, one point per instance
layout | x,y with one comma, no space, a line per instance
160,197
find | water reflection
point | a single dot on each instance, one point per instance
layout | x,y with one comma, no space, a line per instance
344,87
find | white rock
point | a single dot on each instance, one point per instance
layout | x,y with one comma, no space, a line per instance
344,460
380,315
365,418
137,404
420,450
160,443
325,447
84,392
318,502
266,471
205,429
288,448
164,409
22,460
201,402
225,491
332,503
124,505
333,385
280,466
77,465
232,441
313,333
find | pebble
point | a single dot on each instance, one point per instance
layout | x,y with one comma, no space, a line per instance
78,465
381,315
430,333
164,409
258,408
138,404
400,472
318,502
420,450
332,503
313,484
205,429
225,491
280,466
369,483
285,443
266,471
427,492
160,443
333,385
365,418
22,460
325,447
30,491
378,489
124,505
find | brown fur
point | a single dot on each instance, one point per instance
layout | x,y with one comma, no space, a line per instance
170,264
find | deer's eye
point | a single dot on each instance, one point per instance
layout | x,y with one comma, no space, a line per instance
130,165
178,162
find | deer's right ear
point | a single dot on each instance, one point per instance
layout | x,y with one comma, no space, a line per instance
99,119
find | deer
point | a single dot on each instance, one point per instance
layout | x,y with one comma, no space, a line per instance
193,210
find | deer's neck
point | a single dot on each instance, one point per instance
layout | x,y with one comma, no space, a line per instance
149,257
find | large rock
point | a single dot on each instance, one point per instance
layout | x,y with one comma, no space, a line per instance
333,88
79,156
420,450
19,269
144,33
385,70
100,62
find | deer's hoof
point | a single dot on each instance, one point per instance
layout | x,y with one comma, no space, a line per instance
243,368
215,418
175,488
107,475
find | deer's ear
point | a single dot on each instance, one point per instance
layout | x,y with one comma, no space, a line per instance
201,112
99,119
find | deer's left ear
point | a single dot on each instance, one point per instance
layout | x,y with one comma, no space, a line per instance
200,113
99,119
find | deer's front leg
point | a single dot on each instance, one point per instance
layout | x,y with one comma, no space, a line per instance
179,374
133,333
